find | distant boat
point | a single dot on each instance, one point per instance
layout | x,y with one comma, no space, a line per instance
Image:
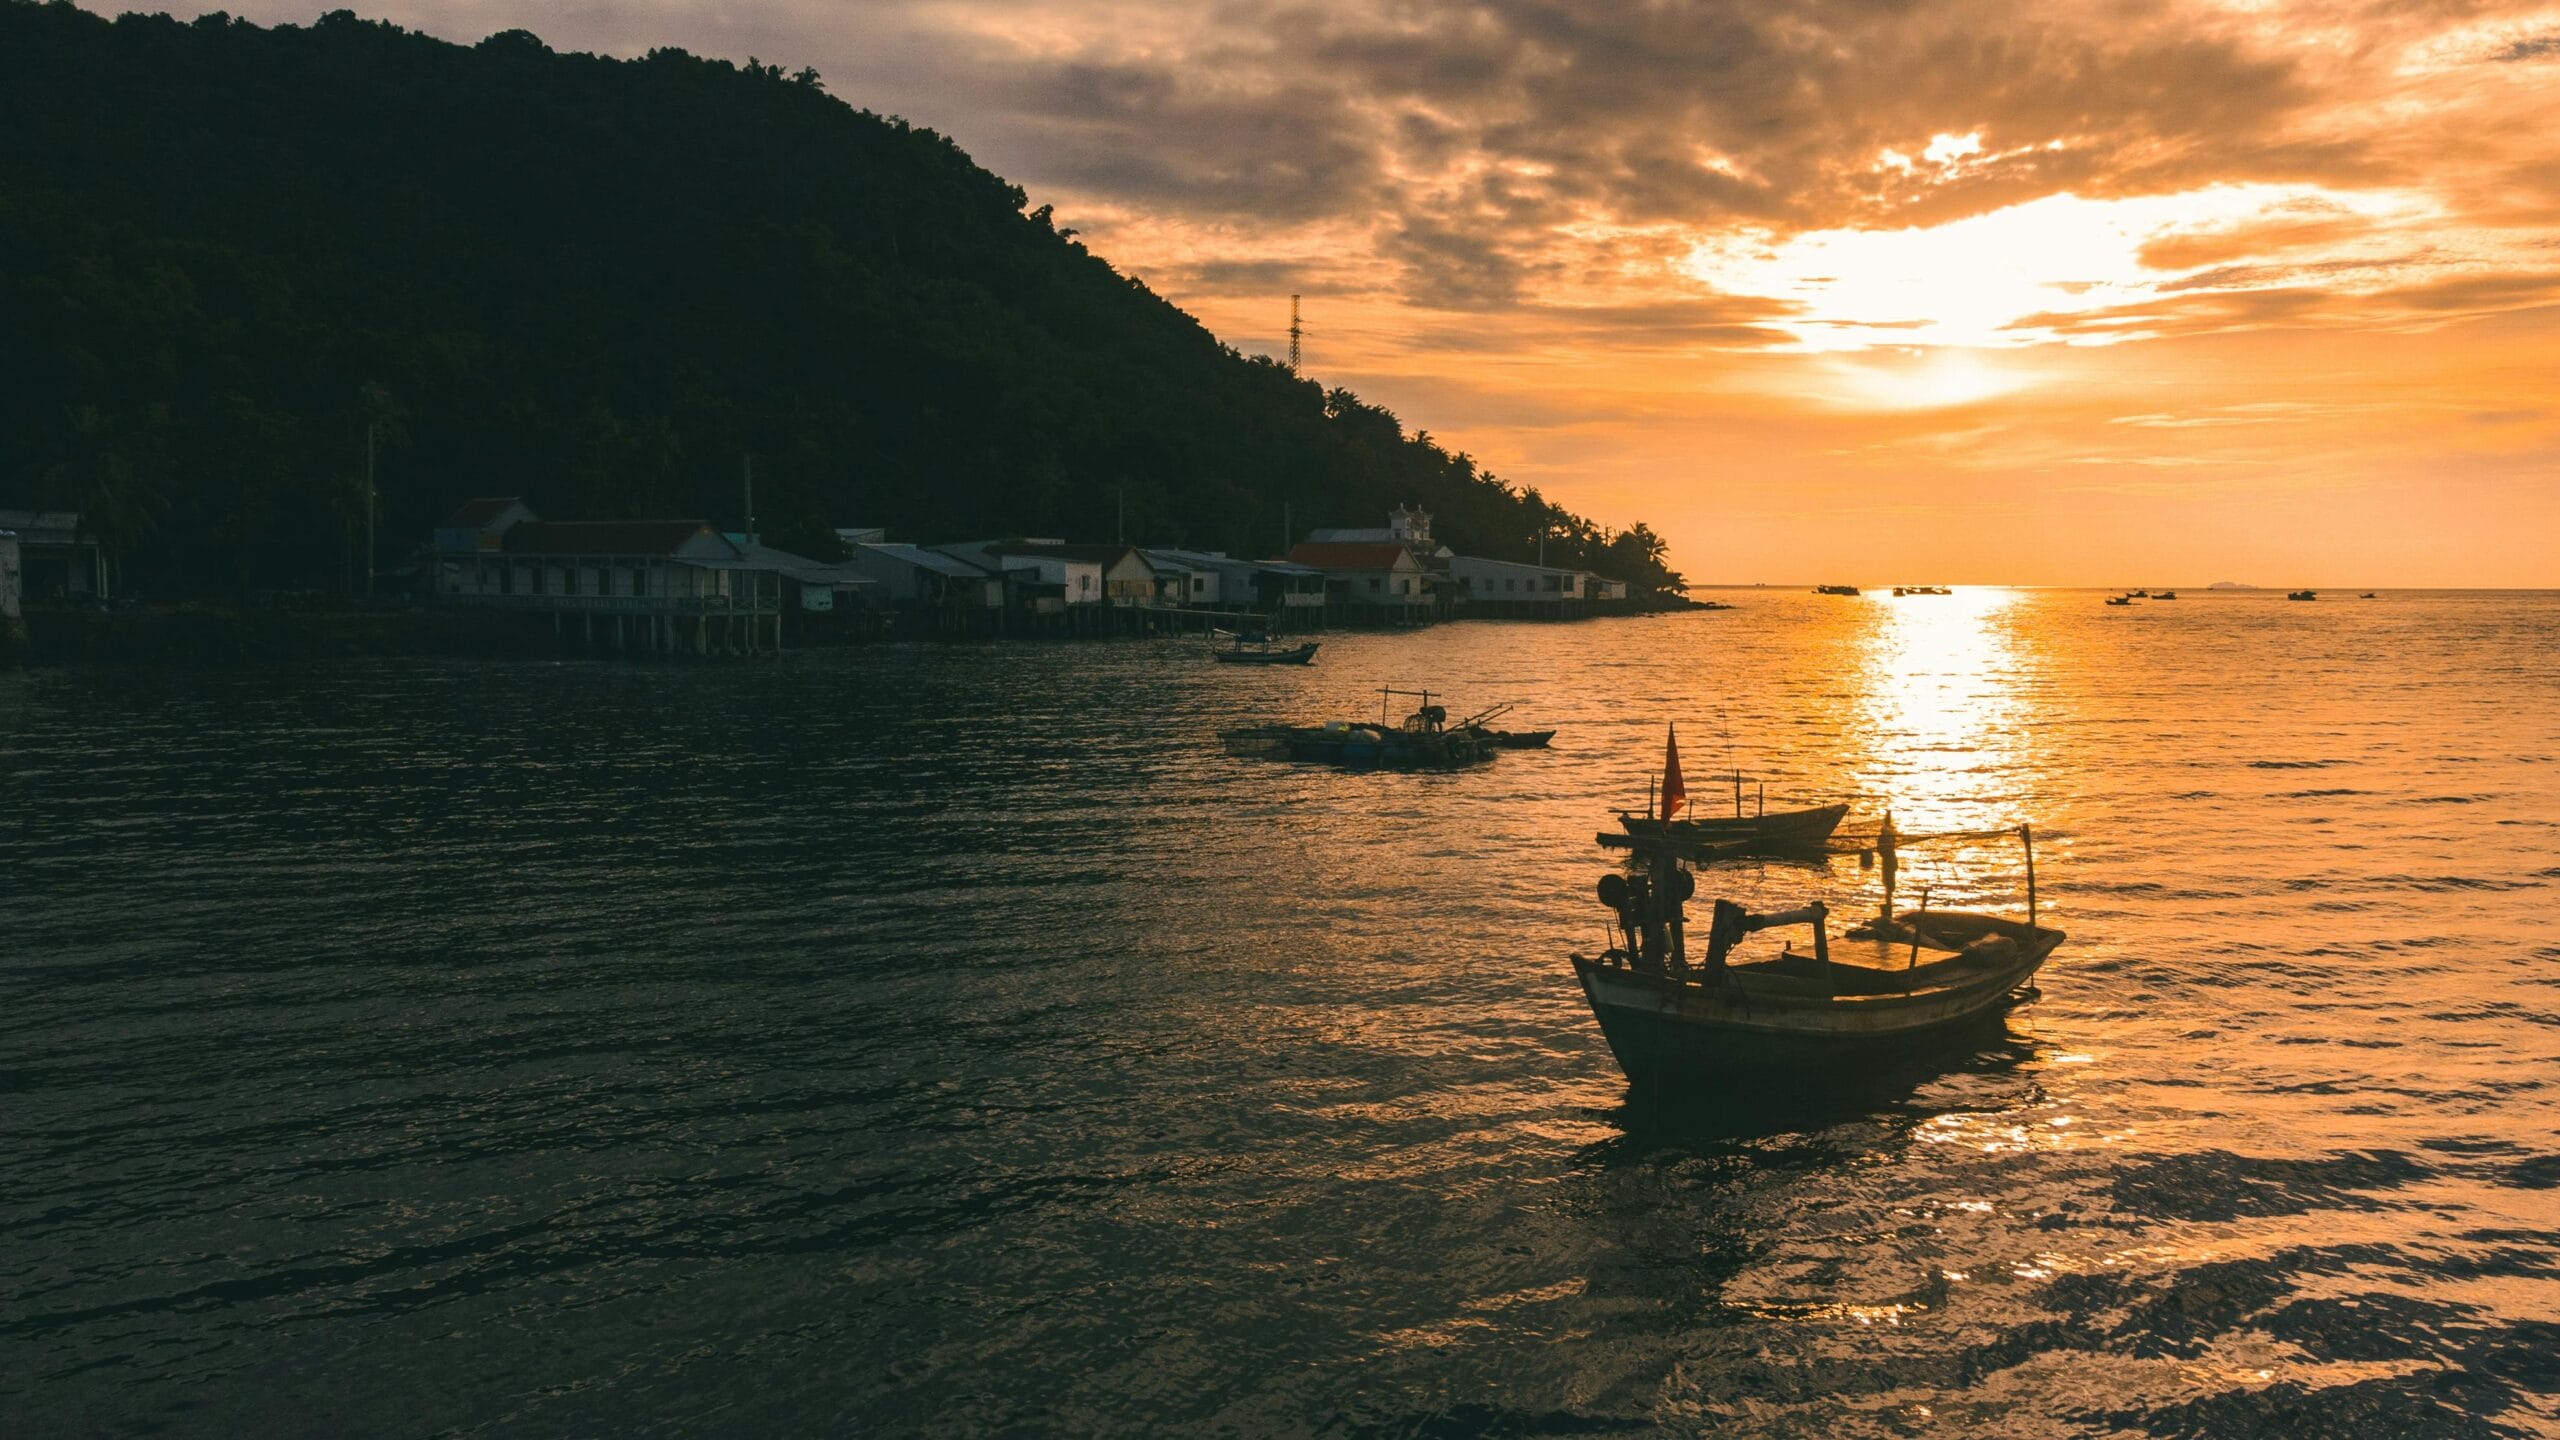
2302,595
2121,600
1264,654
2366,595
1669,1019
2139,594
2166,595
1921,590
1835,589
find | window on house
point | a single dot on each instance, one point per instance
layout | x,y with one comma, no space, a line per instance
1376,584
1555,582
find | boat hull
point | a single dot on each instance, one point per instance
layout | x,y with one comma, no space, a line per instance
1785,830
1664,1031
1302,655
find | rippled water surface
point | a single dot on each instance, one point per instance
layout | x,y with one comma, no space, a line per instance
956,1040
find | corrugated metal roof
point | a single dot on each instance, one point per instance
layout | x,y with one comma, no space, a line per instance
1105,555
933,560
603,537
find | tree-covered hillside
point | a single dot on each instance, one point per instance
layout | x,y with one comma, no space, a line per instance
226,252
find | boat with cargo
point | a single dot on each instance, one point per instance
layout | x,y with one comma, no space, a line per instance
1891,985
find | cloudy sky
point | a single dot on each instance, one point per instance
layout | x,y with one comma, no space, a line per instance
1969,290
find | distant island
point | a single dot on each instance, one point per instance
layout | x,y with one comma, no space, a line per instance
2229,585
247,264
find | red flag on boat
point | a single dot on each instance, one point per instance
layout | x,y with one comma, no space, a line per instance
1674,794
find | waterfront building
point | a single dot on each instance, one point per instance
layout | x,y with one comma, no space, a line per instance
1185,578
676,586
1085,574
913,576
1271,586
820,586
60,562
1374,576
1516,588
1077,580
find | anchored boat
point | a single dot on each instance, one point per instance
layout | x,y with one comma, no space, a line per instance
1888,985
1425,741
1254,647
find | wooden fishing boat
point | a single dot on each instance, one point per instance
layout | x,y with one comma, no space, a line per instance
1835,589
1889,986
1425,741
1517,739
1264,654
2121,600
2302,595
1781,830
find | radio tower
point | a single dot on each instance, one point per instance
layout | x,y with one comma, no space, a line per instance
1294,332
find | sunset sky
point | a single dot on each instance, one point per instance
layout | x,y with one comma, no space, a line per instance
1954,290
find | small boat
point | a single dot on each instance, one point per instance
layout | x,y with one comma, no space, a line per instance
1922,590
2166,595
2366,595
2121,600
1264,654
2302,595
1701,834
1784,830
1835,589
1889,986
1479,726
1425,741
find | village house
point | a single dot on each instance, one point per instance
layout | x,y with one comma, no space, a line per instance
822,587
1185,578
59,561
1517,588
675,586
1374,576
1077,580
1272,586
912,576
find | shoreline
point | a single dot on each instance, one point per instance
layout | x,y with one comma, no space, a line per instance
212,635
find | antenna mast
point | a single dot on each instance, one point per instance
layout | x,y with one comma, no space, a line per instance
1294,333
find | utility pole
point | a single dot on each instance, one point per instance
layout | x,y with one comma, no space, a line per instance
368,509
1294,332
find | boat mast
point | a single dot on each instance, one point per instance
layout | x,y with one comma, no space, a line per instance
2027,836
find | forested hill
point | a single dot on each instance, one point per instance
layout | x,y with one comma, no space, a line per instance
226,250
